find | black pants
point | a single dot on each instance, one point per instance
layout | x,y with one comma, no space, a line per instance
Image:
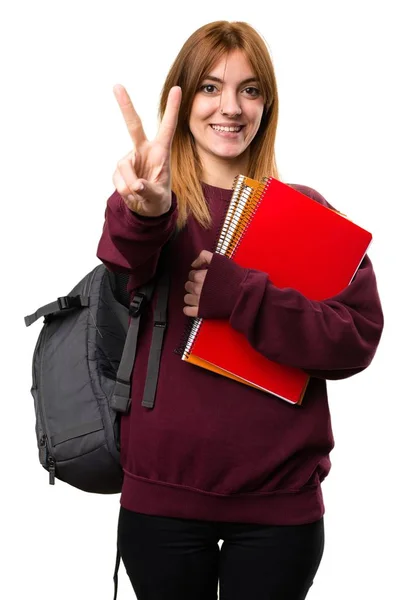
179,559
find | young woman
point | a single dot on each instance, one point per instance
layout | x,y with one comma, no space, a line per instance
215,459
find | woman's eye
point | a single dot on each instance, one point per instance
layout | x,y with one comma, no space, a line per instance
208,88
252,91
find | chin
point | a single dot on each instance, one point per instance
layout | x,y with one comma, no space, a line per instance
228,153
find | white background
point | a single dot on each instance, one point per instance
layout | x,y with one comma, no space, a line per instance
347,76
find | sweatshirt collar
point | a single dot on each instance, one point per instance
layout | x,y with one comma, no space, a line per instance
213,191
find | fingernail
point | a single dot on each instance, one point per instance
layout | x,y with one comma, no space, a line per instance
138,187
131,198
117,89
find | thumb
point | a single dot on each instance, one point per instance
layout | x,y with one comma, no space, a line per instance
145,188
151,192
203,260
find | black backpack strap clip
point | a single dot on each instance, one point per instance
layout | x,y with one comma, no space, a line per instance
137,305
62,303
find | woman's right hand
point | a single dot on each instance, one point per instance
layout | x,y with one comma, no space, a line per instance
143,177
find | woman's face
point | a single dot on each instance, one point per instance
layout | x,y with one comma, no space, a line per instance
228,97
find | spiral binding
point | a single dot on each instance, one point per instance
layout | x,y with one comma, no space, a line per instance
250,212
237,190
193,333
246,198
234,219
192,328
245,207
190,325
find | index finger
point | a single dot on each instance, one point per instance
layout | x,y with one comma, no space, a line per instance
169,121
132,120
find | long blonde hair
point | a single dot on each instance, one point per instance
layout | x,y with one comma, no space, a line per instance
193,63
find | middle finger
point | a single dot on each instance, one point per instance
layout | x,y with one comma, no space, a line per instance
193,288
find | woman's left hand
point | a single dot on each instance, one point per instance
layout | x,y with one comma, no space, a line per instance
195,283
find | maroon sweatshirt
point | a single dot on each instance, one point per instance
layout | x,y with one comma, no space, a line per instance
212,448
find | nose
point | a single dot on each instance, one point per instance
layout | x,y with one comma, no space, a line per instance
229,104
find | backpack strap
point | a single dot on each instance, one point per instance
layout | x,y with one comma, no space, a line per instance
160,325
121,398
62,303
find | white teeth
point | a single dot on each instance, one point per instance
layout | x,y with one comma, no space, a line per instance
231,129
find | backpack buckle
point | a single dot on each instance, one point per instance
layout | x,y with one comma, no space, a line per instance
65,302
137,304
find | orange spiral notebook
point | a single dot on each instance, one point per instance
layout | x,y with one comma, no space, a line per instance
301,244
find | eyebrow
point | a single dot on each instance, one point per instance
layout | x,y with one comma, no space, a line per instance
248,80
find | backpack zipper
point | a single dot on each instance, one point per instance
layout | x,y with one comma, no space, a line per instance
47,460
51,469
43,451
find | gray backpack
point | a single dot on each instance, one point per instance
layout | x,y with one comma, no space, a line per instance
81,372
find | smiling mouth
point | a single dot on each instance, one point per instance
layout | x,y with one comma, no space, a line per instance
227,129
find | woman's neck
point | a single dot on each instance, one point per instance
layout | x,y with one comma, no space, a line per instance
220,172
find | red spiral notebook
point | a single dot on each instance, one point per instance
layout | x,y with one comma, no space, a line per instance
301,244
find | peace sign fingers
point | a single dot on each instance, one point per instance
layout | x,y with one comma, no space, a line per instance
131,117
169,121
144,176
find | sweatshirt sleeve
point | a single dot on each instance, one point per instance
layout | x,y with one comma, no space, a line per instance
330,339
131,243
